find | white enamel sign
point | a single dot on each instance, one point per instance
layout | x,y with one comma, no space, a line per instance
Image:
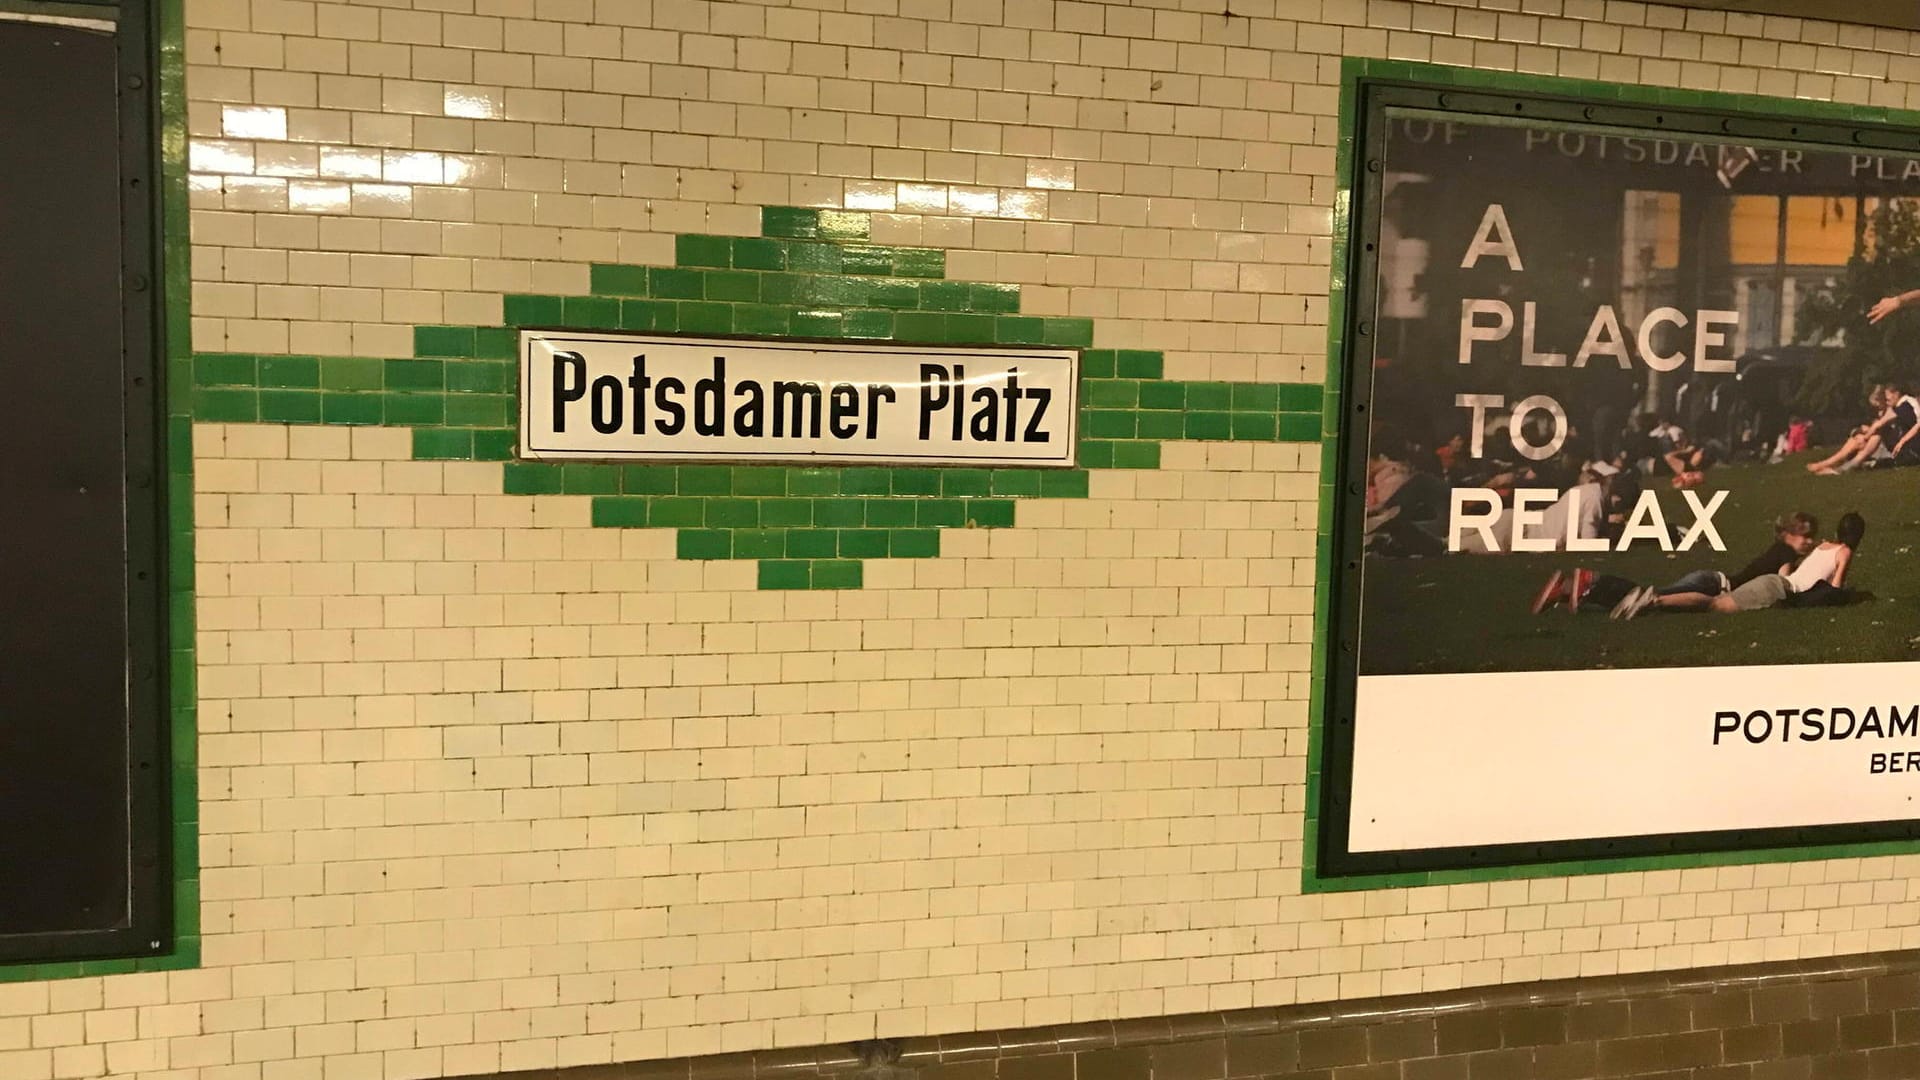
628,397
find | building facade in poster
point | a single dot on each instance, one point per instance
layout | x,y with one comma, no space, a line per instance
1636,562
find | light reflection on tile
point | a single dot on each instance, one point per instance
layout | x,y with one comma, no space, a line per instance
382,200
870,195
412,167
319,197
350,163
921,197
1050,174
474,102
1028,205
978,202
253,122
219,156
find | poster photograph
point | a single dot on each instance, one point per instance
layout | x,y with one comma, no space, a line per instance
1637,559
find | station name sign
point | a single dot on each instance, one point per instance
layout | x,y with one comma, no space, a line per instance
626,397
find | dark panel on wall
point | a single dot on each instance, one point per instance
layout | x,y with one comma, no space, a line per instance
68,866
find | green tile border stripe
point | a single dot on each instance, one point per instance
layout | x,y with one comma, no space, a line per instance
1352,71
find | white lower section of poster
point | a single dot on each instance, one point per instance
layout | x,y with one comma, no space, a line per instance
1528,757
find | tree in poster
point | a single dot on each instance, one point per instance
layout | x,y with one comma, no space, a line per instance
1887,266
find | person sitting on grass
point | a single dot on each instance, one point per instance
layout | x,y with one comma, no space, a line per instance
1868,441
1583,590
1899,433
1820,579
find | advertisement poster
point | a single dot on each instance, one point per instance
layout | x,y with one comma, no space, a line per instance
1641,546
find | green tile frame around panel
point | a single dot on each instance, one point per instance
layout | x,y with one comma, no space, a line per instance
1353,70
176,348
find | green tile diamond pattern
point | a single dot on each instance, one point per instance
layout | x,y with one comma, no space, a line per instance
813,274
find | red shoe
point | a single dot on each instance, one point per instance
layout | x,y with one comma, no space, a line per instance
1550,593
1582,581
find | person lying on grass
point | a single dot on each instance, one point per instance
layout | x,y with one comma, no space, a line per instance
1820,579
1582,590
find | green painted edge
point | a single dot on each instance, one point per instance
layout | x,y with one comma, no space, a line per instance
1352,70
182,731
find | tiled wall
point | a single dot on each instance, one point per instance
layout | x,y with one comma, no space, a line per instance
506,767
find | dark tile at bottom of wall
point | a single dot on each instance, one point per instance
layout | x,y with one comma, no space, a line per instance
1845,1018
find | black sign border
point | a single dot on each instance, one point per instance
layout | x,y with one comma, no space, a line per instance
1329,864
149,929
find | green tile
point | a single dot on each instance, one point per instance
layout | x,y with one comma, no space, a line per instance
678,511
416,374
966,328
443,341
590,478
698,250
1074,333
1136,455
780,289
1016,481
947,512
836,574
704,544
415,410
869,480
706,480
1255,427
833,290
869,324
1209,425
533,478
612,280
733,513
1255,397
479,410
1210,396
759,543
990,513
965,482
1019,330
734,286
866,260
785,574
1099,364
1111,394
442,444
290,406
947,296
813,258
916,481
592,312
760,480
671,283
351,408
920,262
917,326
289,372
863,543
1300,397
525,310
620,512
649,479
1163,425
763,320
226,405
814,481
895,295
351,373
786,513
1163,395
481,377
1064,484
843,225
1299,427
914,543
839,513
649,315
999,299
705,317
891,513
1096,453
754,253
1140,364
496,343
789,221
1108,423
226,369
813,543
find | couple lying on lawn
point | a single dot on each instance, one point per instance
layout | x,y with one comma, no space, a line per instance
1796,570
